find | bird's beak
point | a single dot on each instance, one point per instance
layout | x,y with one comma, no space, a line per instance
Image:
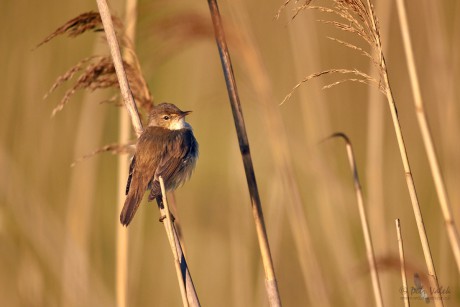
185,113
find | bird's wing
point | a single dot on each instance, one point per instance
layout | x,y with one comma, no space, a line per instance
142,172
148,155
130,176
174,159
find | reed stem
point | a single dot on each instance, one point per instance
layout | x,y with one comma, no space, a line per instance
270,279
405,160
137,124
364,223
124,133
402,262
444,202
169,230
126,93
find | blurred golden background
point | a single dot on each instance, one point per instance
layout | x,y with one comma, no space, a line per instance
58,223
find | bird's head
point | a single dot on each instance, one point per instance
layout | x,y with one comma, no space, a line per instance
167,115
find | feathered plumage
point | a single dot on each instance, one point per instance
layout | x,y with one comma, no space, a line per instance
160,151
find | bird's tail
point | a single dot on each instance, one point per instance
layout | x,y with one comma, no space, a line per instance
129,209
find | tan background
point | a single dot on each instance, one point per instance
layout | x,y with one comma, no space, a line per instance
57,223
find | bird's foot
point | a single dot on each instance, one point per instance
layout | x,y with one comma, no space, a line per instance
163,217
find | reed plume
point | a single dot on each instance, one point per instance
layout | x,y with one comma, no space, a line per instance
358,18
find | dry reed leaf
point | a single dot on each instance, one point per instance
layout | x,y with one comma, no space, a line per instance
139,88
353,11
89,21
115,149
100,73
286,3
137,83
348,28
365,79
68,75
352,22
355,19
354,47
323,9
346,14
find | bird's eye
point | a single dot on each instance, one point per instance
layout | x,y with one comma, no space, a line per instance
166,117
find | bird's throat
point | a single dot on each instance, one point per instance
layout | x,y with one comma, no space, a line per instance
178,124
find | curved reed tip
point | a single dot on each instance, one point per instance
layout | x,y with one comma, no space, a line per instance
337,135
341,135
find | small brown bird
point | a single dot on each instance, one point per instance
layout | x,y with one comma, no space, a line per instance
166,148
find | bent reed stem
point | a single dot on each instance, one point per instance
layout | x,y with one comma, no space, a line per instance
364,223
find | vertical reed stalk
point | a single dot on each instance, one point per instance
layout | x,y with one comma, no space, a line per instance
364,224
375,145
122,233
403,264
405,160
124,132
169,230
118,63
137,124
375,153
270,279
449,221
263,87
375,157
